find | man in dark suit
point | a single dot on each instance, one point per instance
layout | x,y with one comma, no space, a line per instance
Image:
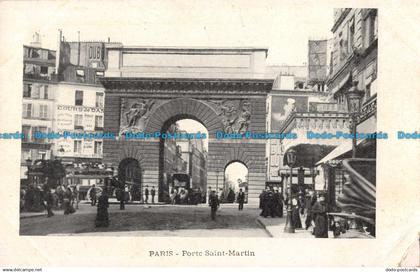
310,200
278,199
152,193
49,200
241,199
121,192
214,204
146,194
92,195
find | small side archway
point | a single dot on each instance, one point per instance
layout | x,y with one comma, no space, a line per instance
130,171
235,179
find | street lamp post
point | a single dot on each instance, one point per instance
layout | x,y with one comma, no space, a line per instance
218,162
354,103
29,165
291,160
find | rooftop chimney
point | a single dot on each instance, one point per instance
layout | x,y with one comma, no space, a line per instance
36,40
57,55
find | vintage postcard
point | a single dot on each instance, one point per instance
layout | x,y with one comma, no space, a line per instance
175,133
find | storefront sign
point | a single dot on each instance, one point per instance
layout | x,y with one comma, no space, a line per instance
79,109
64,120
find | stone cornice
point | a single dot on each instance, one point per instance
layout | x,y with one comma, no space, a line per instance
340,19
189,86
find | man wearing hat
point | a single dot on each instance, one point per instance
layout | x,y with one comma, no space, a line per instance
241,199
214,204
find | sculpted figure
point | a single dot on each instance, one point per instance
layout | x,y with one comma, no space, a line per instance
235,118
229,113
244,117
137,111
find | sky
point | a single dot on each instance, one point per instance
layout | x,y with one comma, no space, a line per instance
284,28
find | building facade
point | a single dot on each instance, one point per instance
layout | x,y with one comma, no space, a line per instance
173,162
354,54
79,103
354,59
39,89
195,156
62,93
294,91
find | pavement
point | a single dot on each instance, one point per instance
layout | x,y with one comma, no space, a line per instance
275,228
112,201
166,220
149,220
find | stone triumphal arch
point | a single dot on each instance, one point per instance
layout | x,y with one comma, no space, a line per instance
222,88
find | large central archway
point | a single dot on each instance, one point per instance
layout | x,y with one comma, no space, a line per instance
183,161
151,105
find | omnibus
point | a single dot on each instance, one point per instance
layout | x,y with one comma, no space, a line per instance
181,182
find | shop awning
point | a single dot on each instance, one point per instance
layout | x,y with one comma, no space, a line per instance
345,80
344,150
339,151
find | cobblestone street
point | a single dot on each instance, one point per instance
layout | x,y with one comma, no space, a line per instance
158,220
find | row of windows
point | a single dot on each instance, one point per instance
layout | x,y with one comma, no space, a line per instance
42,91
29,132
34,154
37,71
36,91
99,99
346,38
77,147
78,120
35,111
80,75
41,111
38,53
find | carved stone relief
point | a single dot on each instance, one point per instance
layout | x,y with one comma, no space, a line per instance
134,114
235,114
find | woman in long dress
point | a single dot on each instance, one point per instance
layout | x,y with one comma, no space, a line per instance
102,219
319,213
297,224
67,201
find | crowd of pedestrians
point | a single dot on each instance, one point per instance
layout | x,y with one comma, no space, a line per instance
43,198
271,203
305,206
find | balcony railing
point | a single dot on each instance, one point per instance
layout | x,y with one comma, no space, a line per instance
313,120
